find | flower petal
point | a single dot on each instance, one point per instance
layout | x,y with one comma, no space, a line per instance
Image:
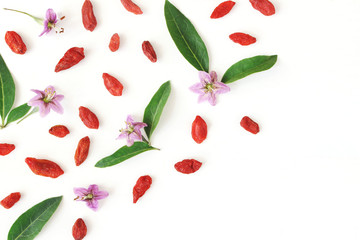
197,88
81,192
44,109
129,119
212,99
122,135
55,105
93,188
213,76
51,15
136,135
36,102
204,77
58,97
139,125
130,141
101,195
39,93
221,88
46,29
93,204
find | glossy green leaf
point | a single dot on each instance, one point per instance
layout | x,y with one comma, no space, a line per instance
155,107
123,154
30,223
18,113
248,66
7,90
186,38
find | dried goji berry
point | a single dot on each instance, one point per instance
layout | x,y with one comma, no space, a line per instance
79,229
188,166
10,200
82,150
199,130
59,131
6,148
88,118
131,7
72,57
44,167
222,9
113,85
15,42
242,38
263,6
249,125
149,51
114,42
141,186
88,17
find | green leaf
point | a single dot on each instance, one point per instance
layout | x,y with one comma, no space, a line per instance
30,223
248,66
123,154
7,90
186,38
155,107
18,113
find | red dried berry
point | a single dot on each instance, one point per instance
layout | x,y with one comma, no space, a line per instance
10,200
249,125
242,38
114,42
188,166
263,6
88,17
6,148
15,42
131,7
113,85
199,130
59,131
88,118
82,151
222,9
44,167
72,57
149,51
141,186
79,229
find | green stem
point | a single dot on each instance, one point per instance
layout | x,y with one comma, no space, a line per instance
148,142
30,113
38,20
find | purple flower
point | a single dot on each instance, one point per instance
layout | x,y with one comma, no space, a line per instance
132,131
90,196
49,21
209,87
46,100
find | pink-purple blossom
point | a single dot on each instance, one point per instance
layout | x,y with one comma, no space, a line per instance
90,196
49,21
209,87
132,131
46,100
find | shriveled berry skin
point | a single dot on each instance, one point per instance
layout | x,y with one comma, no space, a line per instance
141,186
43,167
249,125
199,130
88,118
6,148
131,7
149,51
88,17
263,6
79,229
82,151
222,9
10,200
72,57
188,166
59,131
242,38
15,42
114,42
113,85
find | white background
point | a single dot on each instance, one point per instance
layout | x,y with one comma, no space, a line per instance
297,179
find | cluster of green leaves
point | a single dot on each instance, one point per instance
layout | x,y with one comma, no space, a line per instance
192,47
31,222
7,97
151,117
